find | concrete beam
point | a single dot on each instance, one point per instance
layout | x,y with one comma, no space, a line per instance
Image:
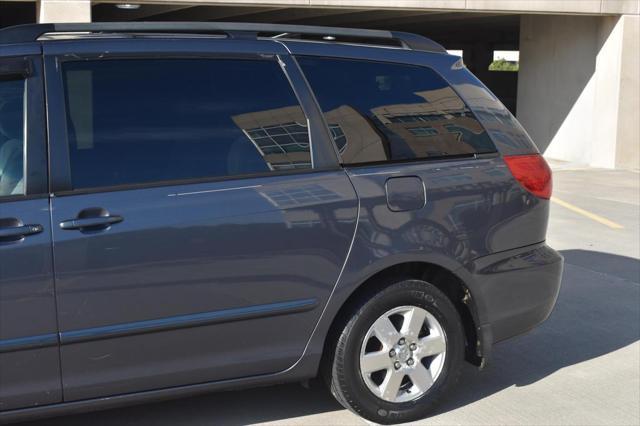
196,13
360,17
109,12
396,4
63,11
591,7
451,19
627,7
289,14
542,6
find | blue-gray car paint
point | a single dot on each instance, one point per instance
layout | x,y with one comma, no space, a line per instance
466,226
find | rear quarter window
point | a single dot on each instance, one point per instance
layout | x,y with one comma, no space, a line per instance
378,112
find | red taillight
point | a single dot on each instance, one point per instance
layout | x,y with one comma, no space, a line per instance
532,172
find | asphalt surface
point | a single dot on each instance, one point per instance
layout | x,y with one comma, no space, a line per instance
581,367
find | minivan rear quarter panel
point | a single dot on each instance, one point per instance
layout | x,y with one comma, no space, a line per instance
515,218
471,207
474,207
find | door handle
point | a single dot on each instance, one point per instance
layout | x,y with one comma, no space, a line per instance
91,219
21,231
90,222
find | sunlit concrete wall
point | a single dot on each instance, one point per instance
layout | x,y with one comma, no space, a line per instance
64,11
628,153
578,87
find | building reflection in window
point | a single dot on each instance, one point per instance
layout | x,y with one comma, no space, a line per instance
280,135
393,111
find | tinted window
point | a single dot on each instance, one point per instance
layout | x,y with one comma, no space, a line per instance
12,137
137,121
380,111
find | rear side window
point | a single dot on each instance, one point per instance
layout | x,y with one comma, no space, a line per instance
136,121
12,123
392,112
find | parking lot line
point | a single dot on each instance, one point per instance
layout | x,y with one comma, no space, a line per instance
592,216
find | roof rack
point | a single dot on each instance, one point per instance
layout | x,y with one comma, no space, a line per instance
32,32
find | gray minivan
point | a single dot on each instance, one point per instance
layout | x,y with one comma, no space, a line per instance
188,207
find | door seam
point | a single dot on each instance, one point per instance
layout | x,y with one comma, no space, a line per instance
55,296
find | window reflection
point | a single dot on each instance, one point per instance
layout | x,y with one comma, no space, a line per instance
280,136
392,111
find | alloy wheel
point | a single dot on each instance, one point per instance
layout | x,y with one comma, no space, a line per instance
403,354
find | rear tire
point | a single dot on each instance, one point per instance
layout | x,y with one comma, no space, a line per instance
396,375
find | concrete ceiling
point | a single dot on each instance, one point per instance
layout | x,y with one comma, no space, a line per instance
14,13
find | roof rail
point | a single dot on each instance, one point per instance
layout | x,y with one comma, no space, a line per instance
32,32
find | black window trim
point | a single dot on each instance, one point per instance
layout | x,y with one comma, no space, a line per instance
426,160
15,68
477,155
35,168
322,121
60,164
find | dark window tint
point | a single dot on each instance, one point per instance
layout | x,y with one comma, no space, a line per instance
12,137
137,121
380,111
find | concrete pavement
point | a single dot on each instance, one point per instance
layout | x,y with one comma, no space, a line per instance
581,367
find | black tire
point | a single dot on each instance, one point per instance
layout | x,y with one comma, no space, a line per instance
342,365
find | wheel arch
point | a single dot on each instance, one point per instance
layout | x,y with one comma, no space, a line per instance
444,279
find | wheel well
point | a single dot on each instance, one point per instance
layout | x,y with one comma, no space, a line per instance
442,278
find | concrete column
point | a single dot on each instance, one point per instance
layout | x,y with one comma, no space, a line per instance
628,146
64,11
617,92
578,87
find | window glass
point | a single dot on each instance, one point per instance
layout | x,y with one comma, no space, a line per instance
12,95
137,121
382,112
